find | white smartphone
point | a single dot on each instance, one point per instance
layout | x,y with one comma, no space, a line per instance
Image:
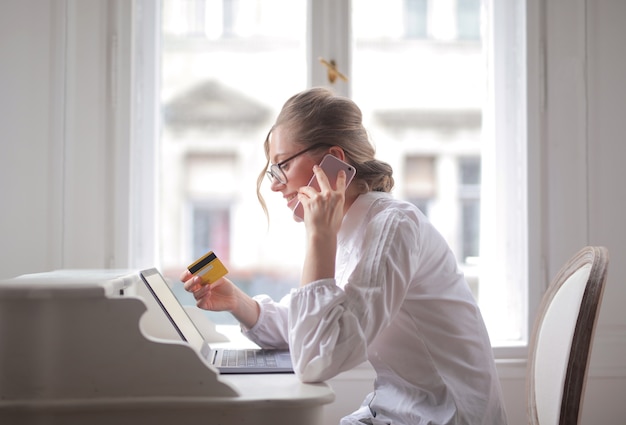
331,166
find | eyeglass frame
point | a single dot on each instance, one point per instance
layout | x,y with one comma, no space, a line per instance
275,169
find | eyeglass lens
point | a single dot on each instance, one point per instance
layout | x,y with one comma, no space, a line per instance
275,172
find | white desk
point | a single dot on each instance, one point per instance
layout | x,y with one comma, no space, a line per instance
75,350
263,399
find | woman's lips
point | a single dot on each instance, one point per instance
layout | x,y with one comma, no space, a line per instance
292,200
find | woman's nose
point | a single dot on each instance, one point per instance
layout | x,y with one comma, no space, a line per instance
276,185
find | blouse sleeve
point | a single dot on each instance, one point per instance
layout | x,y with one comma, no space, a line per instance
331,328
271,330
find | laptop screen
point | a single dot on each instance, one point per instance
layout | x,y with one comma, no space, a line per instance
173,309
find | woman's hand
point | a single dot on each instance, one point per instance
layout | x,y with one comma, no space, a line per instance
323,215
324,209
222,295
218,296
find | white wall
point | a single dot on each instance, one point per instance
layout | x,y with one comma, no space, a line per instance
585,146
30,170
64,125
60,142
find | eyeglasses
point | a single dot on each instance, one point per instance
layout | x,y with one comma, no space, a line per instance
276,170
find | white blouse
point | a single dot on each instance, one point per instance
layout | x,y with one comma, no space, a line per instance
399,301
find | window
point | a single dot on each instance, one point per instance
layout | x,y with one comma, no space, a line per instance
418,70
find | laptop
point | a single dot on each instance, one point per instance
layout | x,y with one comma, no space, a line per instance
226,360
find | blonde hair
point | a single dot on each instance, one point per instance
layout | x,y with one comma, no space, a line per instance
317,116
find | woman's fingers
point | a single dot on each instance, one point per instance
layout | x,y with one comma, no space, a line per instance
184,277
193,283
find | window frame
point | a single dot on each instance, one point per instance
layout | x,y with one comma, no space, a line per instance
521,107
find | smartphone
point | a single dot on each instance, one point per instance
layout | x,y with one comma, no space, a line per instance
331,166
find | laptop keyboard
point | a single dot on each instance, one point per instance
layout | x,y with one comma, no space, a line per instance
248,358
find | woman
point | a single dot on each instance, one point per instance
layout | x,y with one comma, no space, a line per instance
379,283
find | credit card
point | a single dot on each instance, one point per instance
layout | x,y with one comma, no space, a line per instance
208,267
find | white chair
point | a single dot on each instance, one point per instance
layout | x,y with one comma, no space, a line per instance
561,340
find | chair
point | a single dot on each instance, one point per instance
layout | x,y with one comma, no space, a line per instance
561,340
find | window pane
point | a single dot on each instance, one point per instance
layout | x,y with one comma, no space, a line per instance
470,172
422,102
227,66
468,19
423,113
419,181
470,229
210,231
469,196
415,18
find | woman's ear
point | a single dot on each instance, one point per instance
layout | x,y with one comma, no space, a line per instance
336,151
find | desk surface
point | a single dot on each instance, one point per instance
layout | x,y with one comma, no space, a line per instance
283,388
